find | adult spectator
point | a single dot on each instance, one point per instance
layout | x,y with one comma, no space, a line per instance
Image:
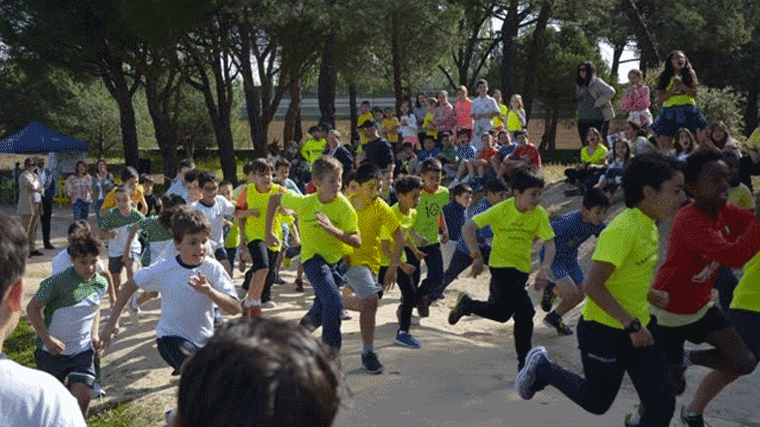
594,98
484,108
420,111
377,150
444,116
48,184
102,184
79,189
336,149
30,203
29,397
749,165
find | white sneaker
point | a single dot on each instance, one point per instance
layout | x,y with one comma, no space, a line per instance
134,310
269,304
97,391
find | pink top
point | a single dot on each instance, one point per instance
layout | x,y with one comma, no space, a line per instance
79,188
444,118
635,100
464,119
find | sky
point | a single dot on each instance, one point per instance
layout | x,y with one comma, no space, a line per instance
628,53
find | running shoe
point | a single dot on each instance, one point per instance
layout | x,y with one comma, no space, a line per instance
457,311
251,311
97,391
169,417
691,420
279,280
371,363
135,314
526,378
548,297
269,304
405,339
299,285
554,320
423,306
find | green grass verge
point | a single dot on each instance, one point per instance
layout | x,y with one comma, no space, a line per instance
20,346
116,414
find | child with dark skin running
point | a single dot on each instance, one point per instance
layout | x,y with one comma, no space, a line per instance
706,235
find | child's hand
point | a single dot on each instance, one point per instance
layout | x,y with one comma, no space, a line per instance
272,240
419,254
254,213
421,241
96,346
658,298
642,338
54,345
477,267
200,284
111,234
390,279
407,268
325,223
444,237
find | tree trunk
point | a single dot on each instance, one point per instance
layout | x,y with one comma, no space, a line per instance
166,134
396,61
252,97
617,52
328,77
226,145
289,130
508,34
534,58
353,113
122,94
750,114
646,44
548,144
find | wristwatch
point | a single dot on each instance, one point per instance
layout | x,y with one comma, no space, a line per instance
634,326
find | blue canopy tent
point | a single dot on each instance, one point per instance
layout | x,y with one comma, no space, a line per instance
38,138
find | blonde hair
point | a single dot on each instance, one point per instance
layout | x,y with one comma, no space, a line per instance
519,100
325,165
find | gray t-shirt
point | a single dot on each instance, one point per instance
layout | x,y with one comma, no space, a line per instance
586,110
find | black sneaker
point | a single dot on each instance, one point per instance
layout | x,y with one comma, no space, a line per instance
423,309
371,363
694,420
457,311
548,298
554,320
279,280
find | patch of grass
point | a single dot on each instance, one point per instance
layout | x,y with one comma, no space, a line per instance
115,414
20,346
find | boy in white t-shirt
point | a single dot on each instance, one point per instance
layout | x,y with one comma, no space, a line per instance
190,284
215,208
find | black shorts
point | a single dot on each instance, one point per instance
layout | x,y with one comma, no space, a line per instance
75,368
747,324
116,264
261,256
672,338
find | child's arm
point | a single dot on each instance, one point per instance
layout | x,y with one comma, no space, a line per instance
126,256
420,240
594,287
543,272
294,234
34,313
444,230
274,203
111,287
351,239
125,293
469,231
225,302
395,258
142,205
95,334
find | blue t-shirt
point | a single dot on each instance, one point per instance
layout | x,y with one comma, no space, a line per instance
424,154
466,153
483,233
570,231
507,150
455,216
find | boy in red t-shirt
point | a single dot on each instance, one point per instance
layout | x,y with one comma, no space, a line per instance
484,160
525,153
706,234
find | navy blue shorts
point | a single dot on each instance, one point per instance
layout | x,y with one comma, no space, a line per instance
747,323
676,117
175,350
75,368
220,254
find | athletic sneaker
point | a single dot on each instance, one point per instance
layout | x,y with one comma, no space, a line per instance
251,311
548,297
169,417
269,304
691,420
299,285
405,339
423,306
371,363
457,311
526,378
554,320
97,391
134,309
279,280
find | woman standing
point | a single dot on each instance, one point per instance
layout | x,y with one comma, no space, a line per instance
420,111
594,98
30,202
102,184
79,189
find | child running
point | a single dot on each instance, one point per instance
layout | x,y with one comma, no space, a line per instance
515,223
115,225
570,231
616,333
215,207
68,326
706,234
190,285
329,228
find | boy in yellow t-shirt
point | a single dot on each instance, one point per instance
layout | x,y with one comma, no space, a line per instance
616,333
515,222
374,215
363,117
329,229
390,126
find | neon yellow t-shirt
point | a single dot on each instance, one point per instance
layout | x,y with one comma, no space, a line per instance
255,227
753,142
405,222
742,196
314,239
426,122
109,202
312,149
630,243
391,123
513,233
513,121
233,237
747,292
363,118
496,120
595,158
375,217
682,99
428,211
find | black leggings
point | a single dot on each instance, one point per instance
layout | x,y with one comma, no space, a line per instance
607,353
408,296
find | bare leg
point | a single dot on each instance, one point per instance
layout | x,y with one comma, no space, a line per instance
83,394
367,314
570,293
711,385
257,283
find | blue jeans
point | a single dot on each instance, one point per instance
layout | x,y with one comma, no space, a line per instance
608,353
81,210
458,263
325,312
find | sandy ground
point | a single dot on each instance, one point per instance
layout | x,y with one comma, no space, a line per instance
463,376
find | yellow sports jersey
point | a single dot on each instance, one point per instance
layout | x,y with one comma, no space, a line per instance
109,202
255,227
376,216
630,243
405,222
513,121
742,196
753,142
312,149
513,233
747,292
233,237
391,123
428,212
496,121
363,118
314,239
595,158
682,99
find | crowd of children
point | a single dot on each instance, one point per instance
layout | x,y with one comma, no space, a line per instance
369,225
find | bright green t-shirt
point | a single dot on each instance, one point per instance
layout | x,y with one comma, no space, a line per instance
233,236
747,292
312,149
682,99
375,217
314,239
405,222
496,120
249,199
630,243
595,158
428,211
513,233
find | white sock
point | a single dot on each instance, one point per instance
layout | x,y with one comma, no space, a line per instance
252,302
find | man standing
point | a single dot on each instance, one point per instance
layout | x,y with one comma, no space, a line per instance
377,150
48,184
